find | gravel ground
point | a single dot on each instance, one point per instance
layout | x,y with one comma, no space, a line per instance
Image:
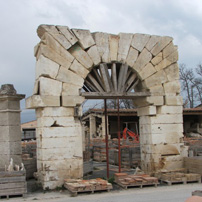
174,193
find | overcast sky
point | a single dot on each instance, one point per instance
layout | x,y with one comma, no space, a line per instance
181,19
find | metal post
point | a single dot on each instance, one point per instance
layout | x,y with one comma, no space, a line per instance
119,144
106,137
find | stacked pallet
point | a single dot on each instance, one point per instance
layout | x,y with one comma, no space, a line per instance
76,186
99,153
124,180
12,183
177,177
193,164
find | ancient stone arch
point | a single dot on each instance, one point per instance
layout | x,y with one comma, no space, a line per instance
64,59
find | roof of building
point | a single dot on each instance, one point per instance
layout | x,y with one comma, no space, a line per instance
29,125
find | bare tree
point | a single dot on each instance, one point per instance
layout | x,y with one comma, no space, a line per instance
191,84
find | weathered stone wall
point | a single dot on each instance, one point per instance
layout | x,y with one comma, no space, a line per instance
64,59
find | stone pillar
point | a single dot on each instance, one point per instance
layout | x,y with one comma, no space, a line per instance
10,131
161,138
59,146
92,126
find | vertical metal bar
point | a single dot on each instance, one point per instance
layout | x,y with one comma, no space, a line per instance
119,136
106,137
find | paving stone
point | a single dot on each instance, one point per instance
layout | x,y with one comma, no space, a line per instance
132,56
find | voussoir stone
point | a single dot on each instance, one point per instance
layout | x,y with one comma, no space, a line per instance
147,71
68,76
172,72
124,45
113,46
152,42
55,33
81,56
45,66
102,43
53,44
52,55
132,57
139,41
79,69
160,45
94,55
144,58
85,38
68,34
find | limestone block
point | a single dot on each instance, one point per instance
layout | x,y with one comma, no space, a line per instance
54,111
160,45
147,71
173,165
11,148
152,100
52,30
55,121
156,100
168,149
152,42
170,48
163,64
102,43
157,90
170,110
51,154
36,101
85,38
113,46
132,56
94,55
53,44
70,101
144,58
81,56
36,87
162,119
172,72
150,110
139,41
173,57
70,77
59,132
172,87
156,79
60,164
173,100
9,133
9,104
162,129
124,45
36,48
70,89
45,66
9,118
50,87
79,69
52,55
68,34
157,59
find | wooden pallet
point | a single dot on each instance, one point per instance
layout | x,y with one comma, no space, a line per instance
180,182
75,193
136,185
12,183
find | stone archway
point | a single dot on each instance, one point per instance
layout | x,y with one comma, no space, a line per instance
64,59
